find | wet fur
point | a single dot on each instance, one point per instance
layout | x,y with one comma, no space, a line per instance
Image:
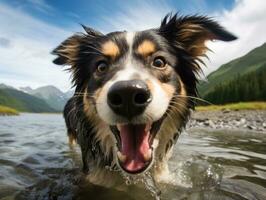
183,37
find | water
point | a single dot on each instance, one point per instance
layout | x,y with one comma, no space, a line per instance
37,163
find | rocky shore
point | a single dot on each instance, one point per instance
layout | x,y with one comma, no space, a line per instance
252,120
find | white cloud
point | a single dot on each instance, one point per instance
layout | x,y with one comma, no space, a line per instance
27,61
137,16
4,42
247,20
40,5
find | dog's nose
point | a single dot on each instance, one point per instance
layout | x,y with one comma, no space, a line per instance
129,98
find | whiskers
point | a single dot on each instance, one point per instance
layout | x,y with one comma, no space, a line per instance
193,98
80,105
179,107
83,94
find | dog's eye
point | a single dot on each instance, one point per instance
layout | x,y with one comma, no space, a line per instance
159,62
102,67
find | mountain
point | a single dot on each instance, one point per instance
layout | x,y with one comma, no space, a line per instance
239,80
69,93
25,89
50,98
22,101
4,86
51,95
54,97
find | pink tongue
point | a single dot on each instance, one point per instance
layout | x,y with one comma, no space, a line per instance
135,144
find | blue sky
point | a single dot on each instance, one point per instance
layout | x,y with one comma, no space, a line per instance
67,13
30,29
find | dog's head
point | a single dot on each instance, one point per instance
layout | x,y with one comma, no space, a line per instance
139,84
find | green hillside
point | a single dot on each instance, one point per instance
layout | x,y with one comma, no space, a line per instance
23,102
4,110
251,62
242,79
248,87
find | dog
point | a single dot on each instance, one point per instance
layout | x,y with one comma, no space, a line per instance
134,92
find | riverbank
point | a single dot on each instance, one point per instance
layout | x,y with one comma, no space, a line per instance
4,110
259,105
251,120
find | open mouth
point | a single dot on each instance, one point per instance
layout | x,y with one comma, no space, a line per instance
135,145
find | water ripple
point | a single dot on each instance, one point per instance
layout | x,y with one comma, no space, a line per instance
37,163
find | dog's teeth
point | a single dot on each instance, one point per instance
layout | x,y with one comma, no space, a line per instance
155,143
148,127
147,156
121,157
119,127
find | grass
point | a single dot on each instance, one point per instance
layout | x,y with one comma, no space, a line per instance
4,110
234,106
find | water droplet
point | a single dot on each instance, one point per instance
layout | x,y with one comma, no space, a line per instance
202,175
128,181
151,185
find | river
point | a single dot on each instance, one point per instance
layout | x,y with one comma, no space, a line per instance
37,163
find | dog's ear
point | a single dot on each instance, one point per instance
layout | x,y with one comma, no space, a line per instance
67,51
191,32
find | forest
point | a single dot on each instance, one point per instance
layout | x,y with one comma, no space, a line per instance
247,87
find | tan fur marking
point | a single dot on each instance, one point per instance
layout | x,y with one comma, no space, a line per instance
69,49
103,133
146,48
183,90
196,46
170,126
86,105
169,89
72,139
150,85
110,49
97,93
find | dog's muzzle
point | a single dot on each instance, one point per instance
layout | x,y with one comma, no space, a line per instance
129,98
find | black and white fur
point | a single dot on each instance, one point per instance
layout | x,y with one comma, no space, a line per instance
179,42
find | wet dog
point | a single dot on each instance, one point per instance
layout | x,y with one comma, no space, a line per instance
133,93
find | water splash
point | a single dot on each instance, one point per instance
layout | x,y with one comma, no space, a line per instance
151,185
112,168
148,181
201,175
